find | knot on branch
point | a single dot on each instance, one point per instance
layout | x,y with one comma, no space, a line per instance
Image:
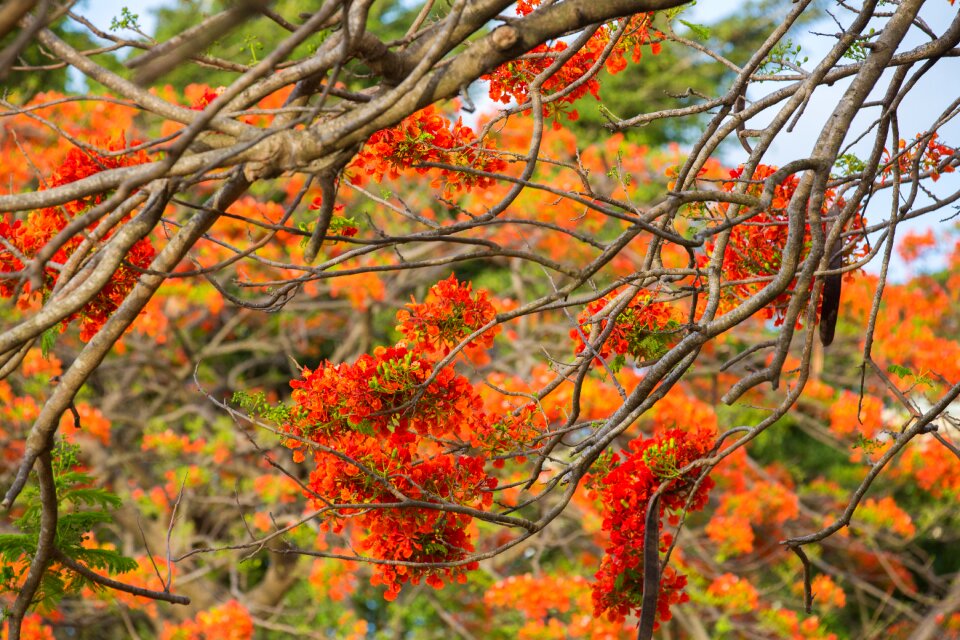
278,153
388,64
505,37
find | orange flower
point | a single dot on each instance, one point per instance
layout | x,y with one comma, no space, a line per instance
734,593
26,238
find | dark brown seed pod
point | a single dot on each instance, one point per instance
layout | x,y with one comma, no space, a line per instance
830,306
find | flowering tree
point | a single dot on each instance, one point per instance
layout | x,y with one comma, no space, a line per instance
277,344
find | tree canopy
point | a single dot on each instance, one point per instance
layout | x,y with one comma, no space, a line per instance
479,319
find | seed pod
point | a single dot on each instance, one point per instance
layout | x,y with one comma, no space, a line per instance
830,304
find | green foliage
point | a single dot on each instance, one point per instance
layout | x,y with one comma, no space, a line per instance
337,225
81,508
127,20
49,339
916,378
899,370
699,31
849,164
784,55
252,44
859,48
868,445
649,345
616,363
616,172
256,404
106,561
246,43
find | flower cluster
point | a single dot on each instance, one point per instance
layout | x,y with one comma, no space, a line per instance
32,628
427,136
378,429
230,621
637,35
23,239
644,328
424,536
935,159
734,593
383,395
885,515
766,507
207,96
915,244
827,594
511,81
551,607
519,428
787,624
339,224
450,313
853,413
392,428
754,252
625,492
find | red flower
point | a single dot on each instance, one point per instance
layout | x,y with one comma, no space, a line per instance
625,492
450,313
511,81
754,252
28,237
427,136
643,329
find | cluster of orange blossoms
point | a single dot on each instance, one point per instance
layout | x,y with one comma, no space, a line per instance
392,427
551,607
764,507
427,136
511,81
643,329
32,629
734,593
933,159
449,314
754,252
230,621
207,96
22,240
626,492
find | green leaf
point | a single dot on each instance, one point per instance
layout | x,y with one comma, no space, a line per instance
93,496
256,404
14,545
850,163
675,11
48,339
72,524
701,32
75,522
365,428
127,20
106,560
618,582
900,371
617,363
52,589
